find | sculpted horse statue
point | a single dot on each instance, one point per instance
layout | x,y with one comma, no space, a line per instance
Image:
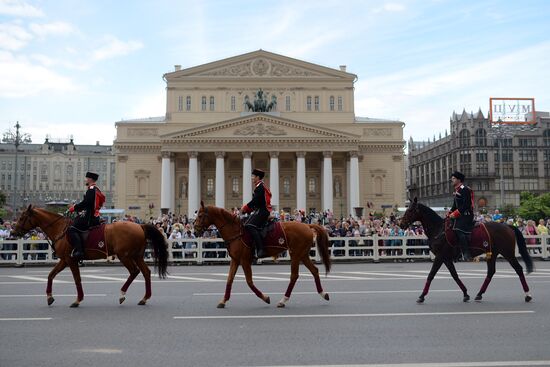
503,240
126,240
296,238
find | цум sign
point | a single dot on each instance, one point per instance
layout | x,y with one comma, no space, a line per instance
512,110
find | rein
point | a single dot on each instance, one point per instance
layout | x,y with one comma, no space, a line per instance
63,232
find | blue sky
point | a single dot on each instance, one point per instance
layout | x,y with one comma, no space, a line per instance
76,67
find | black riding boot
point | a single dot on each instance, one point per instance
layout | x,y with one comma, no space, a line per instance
258,243
463,240
76,241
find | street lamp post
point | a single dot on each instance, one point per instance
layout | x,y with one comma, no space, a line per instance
16,139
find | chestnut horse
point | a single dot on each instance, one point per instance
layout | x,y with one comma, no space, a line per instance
127,240
504,242
299,240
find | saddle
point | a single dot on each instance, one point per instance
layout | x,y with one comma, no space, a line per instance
273,235
94,239
480,239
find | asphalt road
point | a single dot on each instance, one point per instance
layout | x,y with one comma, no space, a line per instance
371,319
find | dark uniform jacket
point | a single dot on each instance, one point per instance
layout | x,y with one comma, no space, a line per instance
463,209
260,205
88,209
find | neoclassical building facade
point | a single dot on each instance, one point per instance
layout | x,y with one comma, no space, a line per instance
316,153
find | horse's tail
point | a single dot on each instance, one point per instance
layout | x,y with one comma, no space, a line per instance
522,248
323,245
160,250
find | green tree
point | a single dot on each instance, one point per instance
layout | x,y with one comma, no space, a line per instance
535,207
2,199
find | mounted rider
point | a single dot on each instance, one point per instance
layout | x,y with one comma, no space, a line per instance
260,207
88,214
462,213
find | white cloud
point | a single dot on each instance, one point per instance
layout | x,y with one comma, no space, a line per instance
20,78
82,133
390,7
55,28
114,47
19,9
13,36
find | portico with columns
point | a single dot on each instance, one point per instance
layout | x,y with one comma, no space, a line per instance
316,153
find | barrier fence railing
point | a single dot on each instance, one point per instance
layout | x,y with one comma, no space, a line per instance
212,250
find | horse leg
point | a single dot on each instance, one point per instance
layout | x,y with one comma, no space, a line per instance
147,276
491,267
233,266
78,282
294,274
449,264
519,271
315,272
56,270
247,269
438,261
133,270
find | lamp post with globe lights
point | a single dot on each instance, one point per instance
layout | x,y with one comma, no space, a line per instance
16,138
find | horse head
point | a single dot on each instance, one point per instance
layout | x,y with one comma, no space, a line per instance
25,223
411,215
202,221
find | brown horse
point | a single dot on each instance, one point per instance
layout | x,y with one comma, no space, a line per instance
126,240
504,242
299,240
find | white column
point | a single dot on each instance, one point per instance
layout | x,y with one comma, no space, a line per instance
172,184
165,183
220,179
327,181
274,178
247,174
354,180
193,198
348,191
301,181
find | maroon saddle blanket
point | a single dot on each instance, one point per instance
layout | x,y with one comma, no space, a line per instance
479,239
274,236
94,239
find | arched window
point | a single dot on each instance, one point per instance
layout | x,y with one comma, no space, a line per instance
212,105
235,186
203,103
188,103
317,107
464,138
378,185
308,103
340,103
312,185
546,138
481,137
233,103
331,103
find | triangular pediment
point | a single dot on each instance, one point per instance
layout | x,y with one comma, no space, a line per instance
263,126
260,64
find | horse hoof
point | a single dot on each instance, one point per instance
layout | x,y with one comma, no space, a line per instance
267,300
74,305
420,299
466,298
220,305
528,298
280,305
478,297
50,300
121,300
142,302
326,297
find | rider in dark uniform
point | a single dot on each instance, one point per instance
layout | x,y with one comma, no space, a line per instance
462,212
260,207
88,214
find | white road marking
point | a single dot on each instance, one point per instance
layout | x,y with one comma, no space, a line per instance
335,292
398,314
194,279
102,277
26,277
100,350
25,318
391,274
440,364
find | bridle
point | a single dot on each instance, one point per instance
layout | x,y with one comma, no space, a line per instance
63,232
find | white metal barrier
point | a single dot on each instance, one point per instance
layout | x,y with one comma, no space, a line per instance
207,250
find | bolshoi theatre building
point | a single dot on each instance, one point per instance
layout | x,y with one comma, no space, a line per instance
293,119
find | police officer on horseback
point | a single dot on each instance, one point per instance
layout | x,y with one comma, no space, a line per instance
88,214
462,213
260,207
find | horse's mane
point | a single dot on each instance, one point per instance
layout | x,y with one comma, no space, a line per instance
225,214
429,214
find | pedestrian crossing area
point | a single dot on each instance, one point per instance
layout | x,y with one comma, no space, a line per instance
261,274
